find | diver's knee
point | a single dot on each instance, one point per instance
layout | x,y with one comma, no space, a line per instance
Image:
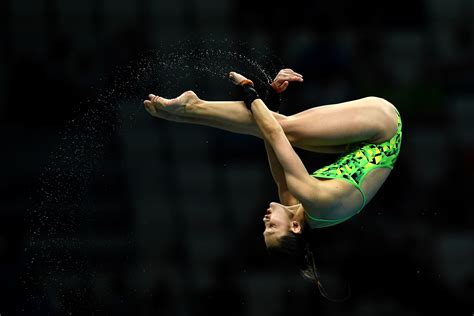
289,127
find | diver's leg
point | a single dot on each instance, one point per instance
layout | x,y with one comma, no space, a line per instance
368,119
242,123
188,108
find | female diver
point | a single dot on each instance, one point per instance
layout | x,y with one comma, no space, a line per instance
366,131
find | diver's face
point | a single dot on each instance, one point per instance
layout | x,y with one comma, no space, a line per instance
277,222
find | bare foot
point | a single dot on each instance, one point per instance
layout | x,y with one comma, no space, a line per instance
238,79
159,113
177,106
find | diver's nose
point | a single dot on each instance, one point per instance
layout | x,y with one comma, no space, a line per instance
269,209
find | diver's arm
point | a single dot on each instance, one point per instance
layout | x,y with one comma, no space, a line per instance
300,184
278,85
286,198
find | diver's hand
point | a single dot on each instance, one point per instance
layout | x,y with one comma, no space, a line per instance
239,79
283,78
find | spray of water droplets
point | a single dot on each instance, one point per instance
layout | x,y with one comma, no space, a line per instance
54,245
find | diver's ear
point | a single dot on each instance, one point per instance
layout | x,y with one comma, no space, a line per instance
295,227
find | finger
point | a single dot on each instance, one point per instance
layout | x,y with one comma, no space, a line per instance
233,77
236,76
291,78
238,79
279,88
297,78
289,71
295,74
151,96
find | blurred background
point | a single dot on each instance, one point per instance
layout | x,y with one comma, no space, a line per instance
105,210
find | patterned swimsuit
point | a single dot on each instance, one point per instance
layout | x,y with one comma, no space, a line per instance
357,161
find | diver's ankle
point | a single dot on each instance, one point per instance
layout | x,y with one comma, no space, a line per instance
187,101
195,107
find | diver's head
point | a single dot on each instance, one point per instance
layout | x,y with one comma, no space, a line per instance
282,222
287,237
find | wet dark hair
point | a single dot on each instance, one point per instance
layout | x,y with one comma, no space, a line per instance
296,248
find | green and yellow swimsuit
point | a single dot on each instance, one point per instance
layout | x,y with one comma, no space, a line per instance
357,161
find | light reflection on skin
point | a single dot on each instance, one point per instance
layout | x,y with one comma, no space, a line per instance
280,219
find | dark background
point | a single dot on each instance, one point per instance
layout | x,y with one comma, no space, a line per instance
108,211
